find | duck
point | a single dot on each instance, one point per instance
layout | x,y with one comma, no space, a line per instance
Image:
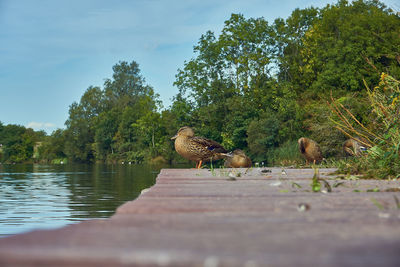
237,159
195,148
353,146
310,150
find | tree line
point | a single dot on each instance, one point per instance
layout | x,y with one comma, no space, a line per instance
257,86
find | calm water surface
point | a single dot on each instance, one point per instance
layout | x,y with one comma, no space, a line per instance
50,196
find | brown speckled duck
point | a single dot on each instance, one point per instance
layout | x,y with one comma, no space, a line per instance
237,159
196,148
354,147
310,150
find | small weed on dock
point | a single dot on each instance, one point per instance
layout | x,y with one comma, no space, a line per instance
316,182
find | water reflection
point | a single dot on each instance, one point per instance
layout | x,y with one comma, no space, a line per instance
49,196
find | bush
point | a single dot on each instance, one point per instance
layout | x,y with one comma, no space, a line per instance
285,155
135,156
382,135
262,135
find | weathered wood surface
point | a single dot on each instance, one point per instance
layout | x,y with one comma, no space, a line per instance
201,218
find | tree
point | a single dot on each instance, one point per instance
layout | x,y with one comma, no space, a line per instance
229,82
52,146
17,143
81,125
114,123
290,35
347,44
125,86
106,127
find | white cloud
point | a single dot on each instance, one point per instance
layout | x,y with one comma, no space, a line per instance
41,126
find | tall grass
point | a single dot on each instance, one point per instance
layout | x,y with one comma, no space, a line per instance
286,155
381,137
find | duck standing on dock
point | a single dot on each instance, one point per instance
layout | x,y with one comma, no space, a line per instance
196,148
310,150
237,159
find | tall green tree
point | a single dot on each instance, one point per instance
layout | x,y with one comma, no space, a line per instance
81,125
349,43
126,85
119,122
127,94
229,81
290,35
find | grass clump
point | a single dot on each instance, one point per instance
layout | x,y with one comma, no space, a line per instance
381,137
286,155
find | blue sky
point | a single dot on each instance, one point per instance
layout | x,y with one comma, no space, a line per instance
52,51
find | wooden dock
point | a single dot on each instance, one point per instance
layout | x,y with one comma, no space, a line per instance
255,217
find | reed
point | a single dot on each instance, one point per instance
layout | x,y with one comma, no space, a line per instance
381,137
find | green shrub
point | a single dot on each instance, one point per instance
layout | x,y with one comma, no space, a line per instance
382,136
286,154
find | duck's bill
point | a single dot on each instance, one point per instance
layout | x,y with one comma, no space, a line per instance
174,137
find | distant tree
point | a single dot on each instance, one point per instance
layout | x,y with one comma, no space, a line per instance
52,147
81,125
126,85
118,122
17,143
128,95
106,127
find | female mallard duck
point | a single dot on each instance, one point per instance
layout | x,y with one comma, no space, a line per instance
237,159
310,150
354,147
196,148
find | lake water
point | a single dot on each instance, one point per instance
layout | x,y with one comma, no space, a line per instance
50,196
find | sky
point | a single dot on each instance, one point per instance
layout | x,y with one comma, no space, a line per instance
51,51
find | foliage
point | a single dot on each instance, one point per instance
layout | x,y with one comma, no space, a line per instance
285,155
348,43
119,122
320,127
262,136
233,92
290,35
52,147
382,136
17,143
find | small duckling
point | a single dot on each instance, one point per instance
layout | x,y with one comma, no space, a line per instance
310,150
237,159
196,148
